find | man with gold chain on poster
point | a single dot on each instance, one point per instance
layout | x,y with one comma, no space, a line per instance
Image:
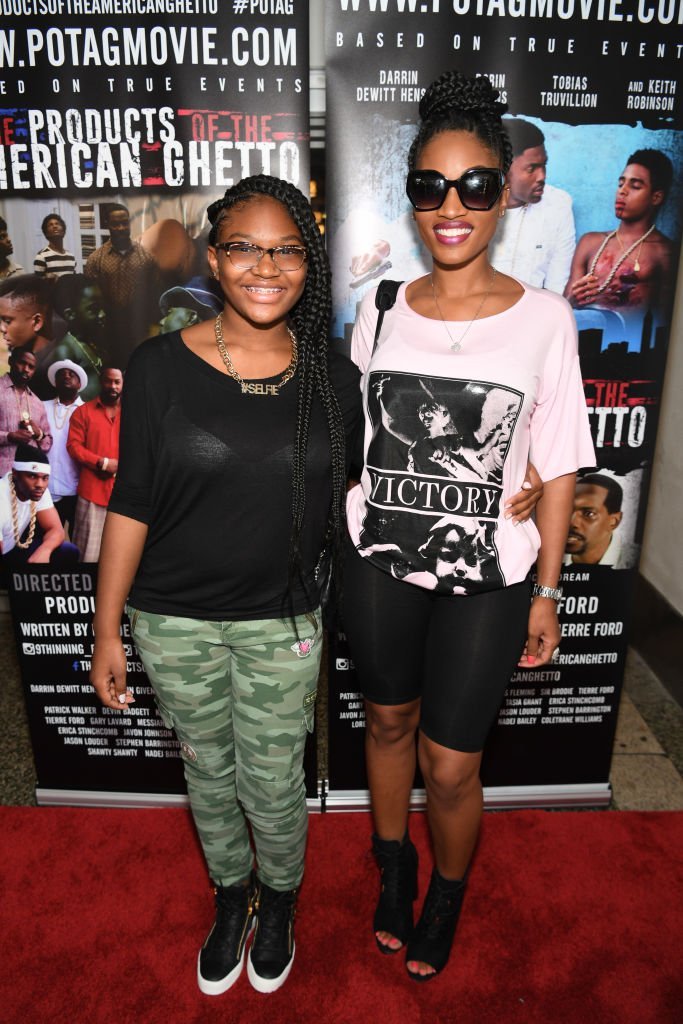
30,529
628,269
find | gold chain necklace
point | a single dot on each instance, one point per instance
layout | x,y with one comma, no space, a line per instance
59,423
24,414
254,387
456,343
625,253
15,517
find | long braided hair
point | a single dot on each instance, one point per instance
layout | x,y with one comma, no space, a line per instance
310,320
454,102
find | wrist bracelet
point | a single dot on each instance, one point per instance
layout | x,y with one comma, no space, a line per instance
105,463
540,591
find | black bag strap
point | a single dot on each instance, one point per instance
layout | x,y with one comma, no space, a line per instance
385,297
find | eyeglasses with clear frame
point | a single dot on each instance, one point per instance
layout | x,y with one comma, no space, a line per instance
247,255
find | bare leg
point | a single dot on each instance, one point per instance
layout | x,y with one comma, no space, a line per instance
390,755
454,809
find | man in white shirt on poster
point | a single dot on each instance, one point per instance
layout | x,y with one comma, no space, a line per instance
535,240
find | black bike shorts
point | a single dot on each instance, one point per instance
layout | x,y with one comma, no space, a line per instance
454,653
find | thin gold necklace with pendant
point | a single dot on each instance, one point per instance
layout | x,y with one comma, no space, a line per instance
254,387
456,343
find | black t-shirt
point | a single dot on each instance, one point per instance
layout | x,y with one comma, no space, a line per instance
209,469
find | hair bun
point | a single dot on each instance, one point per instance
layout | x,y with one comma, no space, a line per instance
454,91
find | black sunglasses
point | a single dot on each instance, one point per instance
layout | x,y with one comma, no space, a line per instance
479,188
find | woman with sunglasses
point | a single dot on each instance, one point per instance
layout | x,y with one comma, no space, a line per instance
231,482
473,374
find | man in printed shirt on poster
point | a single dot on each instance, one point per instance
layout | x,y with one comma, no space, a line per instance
22,414
127,276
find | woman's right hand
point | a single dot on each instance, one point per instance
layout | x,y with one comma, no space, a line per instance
108,674
521,505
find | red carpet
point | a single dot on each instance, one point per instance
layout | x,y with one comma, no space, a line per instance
570,918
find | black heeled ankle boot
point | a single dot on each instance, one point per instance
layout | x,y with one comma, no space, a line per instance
432,936
397,862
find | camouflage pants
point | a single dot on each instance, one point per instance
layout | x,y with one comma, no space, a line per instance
241,700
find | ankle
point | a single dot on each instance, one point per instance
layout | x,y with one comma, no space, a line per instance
233,886
389,844
446,883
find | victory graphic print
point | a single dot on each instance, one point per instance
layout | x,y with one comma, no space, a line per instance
436,468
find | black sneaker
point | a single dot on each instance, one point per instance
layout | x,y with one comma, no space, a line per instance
221,958
272,952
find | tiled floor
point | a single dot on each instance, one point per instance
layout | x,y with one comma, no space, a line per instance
648,748
646,767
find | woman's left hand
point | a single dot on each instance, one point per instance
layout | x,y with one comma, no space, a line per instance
521,505
543,633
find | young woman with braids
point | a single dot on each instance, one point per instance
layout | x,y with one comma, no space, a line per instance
231,482
473,374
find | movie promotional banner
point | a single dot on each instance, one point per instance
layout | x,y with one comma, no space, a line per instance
589,86
75,739
120,121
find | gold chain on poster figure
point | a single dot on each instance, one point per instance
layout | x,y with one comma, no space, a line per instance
24,414
15,518
625,253
65,415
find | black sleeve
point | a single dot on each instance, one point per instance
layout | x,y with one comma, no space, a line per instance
345,377
140,405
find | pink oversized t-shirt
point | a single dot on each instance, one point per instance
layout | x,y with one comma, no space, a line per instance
448,435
